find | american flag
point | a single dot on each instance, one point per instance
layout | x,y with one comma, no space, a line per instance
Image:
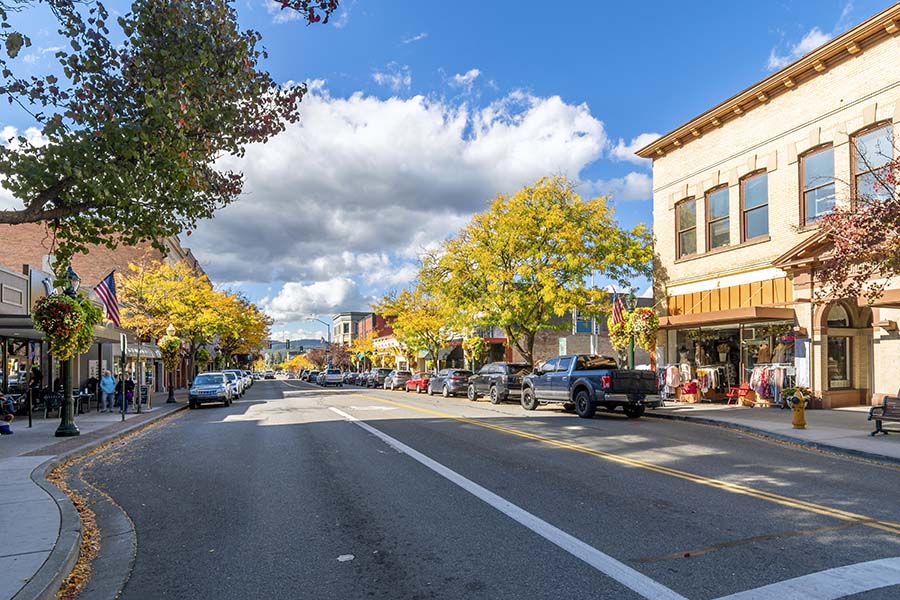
618,309
106,291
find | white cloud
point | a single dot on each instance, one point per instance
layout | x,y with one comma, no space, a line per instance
362,185
297,301
280,14
634,186
416,38
466,80
809,42
626,152
394,76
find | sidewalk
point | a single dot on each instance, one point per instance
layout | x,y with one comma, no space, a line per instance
40,527
841,430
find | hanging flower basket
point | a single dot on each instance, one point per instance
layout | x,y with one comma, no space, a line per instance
67,323
644,325
170,348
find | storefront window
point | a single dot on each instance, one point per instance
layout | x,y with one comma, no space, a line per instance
838,362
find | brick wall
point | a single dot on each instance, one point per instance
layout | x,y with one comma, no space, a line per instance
30,243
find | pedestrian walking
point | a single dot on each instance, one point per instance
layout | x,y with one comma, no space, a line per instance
107,391
129,390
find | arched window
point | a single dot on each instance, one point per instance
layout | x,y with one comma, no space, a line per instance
837,316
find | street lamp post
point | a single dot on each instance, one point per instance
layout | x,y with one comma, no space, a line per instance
328,330
170,331
67,426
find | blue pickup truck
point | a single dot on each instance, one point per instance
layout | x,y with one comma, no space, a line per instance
581,383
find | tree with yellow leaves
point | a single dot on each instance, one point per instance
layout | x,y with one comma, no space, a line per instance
298,363
420,320
245,328
362,350
527,260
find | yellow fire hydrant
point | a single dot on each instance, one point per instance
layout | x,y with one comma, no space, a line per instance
798,404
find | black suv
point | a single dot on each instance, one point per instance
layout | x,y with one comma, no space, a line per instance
498,381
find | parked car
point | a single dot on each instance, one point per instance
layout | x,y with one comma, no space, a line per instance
304,374
350,377
377,377
210,387
396,379
333,377
498,381
449,382
582,382
320,378
362,378
269,375
239,377
248,379
418,382
312,376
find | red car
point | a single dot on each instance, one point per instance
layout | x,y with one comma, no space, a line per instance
418,382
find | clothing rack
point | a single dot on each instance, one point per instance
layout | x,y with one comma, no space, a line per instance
769,379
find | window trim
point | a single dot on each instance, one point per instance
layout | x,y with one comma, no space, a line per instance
709,223
678,231
804,217
854,176
848,340
743,184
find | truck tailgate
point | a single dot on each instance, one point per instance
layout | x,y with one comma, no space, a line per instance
630,381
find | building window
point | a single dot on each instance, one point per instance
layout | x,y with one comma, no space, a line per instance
817,183
717,221
755,206
838,362
686,227
873,150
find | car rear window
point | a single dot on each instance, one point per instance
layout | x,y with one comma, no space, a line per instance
405,373
519,368
334,371
384,371
462,373
590,363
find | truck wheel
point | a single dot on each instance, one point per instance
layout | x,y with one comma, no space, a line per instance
634,411
471,394
583,405
529,402
569,407
495,395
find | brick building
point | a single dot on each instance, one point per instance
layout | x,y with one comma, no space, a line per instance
26,262
737,192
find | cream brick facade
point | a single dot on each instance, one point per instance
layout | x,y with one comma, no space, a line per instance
839,94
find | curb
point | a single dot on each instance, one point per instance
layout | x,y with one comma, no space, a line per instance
850,452
46,581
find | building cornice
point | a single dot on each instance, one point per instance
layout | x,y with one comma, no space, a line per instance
867,34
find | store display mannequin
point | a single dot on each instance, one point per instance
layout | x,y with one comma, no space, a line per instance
764,355
684,355
780,353
700,354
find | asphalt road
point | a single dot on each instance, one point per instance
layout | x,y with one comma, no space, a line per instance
300,492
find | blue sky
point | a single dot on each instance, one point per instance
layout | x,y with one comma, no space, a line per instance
421,111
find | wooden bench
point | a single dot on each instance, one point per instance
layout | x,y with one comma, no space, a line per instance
888,411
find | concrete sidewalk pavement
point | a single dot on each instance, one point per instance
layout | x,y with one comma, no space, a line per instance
41,529
843,430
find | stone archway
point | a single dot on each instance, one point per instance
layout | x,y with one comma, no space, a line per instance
846,356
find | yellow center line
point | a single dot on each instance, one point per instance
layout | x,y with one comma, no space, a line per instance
735,488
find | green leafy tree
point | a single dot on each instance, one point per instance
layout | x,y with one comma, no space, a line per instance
419,320
527,259
136,115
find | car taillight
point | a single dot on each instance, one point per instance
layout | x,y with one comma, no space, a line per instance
606,380
456,378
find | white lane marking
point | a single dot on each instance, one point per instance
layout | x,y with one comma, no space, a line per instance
630,578
374,407
831,583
